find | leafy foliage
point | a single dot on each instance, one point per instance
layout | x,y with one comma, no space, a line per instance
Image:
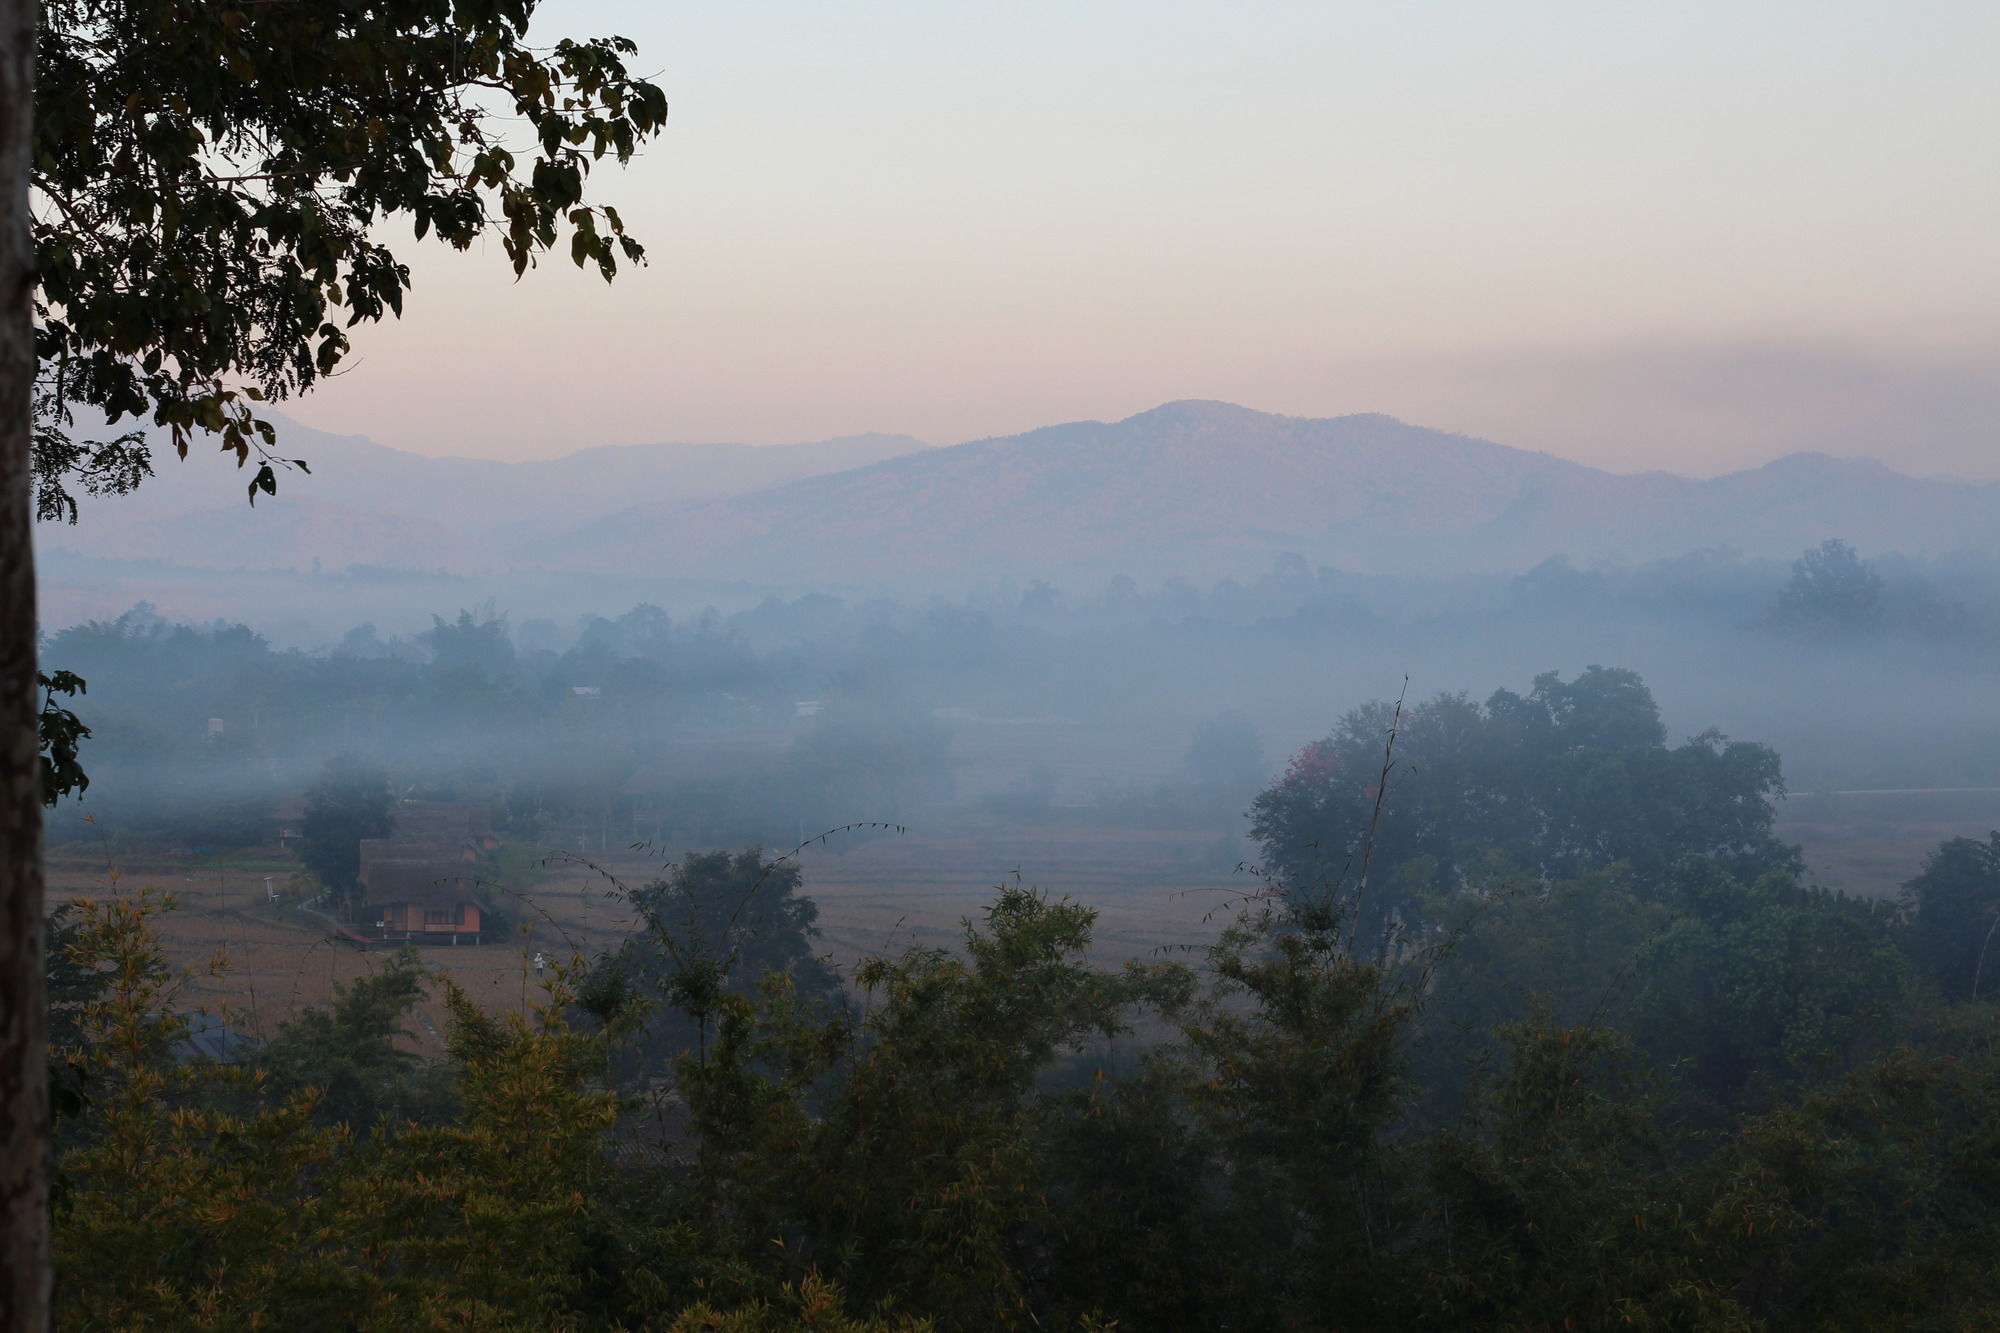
1954,913
1574,776
926,1161
348,1055
716,926
894,1153
212,181
1767,983
62,734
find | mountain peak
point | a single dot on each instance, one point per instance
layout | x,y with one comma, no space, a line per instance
1811,468
1198,412
1813,461
1214,414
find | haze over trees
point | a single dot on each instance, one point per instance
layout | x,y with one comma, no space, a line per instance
1831,588
766,723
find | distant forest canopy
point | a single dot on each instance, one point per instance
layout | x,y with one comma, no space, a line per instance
1831,587
736,728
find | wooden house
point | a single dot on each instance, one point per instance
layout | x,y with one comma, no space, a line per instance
421,884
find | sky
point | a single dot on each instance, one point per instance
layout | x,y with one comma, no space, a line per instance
1690,237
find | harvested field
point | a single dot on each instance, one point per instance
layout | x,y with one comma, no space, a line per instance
1868,843
280,958
1153,890
1156,892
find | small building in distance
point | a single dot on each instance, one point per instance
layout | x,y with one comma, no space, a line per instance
420,884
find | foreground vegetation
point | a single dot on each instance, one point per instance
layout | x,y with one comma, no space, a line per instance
1675,1101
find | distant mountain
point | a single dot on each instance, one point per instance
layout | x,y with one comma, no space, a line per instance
1199,489
1189,487
1207,489
1775,510
365,503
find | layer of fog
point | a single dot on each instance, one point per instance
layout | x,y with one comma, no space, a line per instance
758,717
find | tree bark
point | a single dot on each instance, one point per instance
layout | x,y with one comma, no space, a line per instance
24,1084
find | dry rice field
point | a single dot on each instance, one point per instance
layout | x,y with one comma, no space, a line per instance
1155,892
278,958
1869,843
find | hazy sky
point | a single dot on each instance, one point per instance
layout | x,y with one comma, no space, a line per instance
1687,236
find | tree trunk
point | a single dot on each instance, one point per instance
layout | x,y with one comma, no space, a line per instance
24,1080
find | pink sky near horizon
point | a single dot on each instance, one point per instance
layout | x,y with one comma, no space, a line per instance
1690,240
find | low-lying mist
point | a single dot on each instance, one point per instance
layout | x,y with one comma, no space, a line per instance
1119,704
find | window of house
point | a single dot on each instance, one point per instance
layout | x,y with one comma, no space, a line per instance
440,916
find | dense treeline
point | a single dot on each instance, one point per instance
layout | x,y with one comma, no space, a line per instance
1572,775
1765,1119
1574,1083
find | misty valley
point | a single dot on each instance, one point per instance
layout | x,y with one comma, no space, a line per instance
1305,949
653,678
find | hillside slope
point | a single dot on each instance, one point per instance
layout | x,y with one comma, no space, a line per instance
1196,489
1206,489
365,503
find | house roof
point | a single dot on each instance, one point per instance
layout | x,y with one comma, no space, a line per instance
427,863
423,882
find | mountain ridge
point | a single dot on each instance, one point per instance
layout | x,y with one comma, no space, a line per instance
1197,487
471,512
1193,487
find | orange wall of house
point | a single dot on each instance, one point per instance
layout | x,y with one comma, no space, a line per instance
468,922
401,916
